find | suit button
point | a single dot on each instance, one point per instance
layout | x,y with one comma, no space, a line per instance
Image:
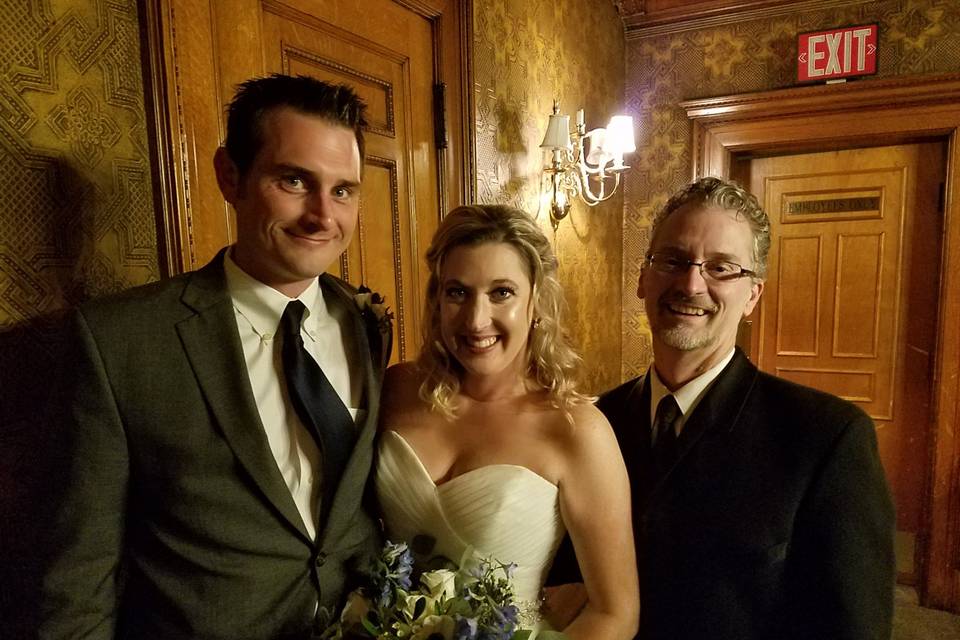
320,559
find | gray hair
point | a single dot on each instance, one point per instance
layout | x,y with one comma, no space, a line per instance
727,195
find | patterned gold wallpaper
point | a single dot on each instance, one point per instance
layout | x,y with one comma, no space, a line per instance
916,37
76,215
76,200
528,52
76,218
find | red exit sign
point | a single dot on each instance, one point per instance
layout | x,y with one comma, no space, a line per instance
837,53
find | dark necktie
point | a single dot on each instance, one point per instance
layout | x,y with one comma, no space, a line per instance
665,434
316,403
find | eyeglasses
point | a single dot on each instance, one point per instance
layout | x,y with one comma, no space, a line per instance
716,270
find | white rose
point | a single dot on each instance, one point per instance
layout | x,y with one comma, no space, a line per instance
410,606
441,583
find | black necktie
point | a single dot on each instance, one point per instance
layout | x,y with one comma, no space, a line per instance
316,402
665,434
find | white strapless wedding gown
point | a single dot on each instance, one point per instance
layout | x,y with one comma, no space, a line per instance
501,511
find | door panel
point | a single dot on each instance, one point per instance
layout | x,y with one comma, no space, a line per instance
850,299
836,264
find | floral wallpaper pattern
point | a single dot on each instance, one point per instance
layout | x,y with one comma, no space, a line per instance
526,54
77,217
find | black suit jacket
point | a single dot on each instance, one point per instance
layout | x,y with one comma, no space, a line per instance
174,520
775,522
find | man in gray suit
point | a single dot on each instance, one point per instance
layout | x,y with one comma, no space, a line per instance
218,429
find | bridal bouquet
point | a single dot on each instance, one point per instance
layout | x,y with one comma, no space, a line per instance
473,602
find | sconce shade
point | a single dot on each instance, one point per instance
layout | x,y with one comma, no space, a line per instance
619,139
583,164
558,133
598,150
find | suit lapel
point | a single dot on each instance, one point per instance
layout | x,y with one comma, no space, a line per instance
212,345
638,407
721,406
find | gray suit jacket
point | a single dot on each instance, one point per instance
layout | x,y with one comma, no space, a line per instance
174,520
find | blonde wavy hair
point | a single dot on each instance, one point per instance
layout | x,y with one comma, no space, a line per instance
551,360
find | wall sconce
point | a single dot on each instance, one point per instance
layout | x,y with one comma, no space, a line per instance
575,171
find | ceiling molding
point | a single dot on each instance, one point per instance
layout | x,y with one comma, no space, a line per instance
627,8
641,24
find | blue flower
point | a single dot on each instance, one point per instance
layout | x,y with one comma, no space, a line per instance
404,569
385,598
465,629
509,614
392,551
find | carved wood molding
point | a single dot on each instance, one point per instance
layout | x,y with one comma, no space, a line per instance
386,128
894,93
873,113
629,8
174,232
396,242
703,15
426,8
455,41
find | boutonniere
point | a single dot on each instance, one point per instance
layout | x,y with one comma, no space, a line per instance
372,307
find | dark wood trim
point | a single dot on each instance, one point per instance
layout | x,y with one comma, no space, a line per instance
841,97
454,69
467,107
718,13
160,137
869,113
170,157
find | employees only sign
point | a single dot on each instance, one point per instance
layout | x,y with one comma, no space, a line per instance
837,53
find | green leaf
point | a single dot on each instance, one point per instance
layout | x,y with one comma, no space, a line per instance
369,626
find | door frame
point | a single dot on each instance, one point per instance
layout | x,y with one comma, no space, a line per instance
170,126
857,114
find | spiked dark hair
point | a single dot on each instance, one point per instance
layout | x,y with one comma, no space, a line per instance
336,103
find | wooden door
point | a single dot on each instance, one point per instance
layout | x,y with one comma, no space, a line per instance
851,297
390,53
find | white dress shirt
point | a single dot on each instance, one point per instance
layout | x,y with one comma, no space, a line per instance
326,337
688,396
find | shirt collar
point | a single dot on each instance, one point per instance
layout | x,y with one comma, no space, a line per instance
262,305
689,394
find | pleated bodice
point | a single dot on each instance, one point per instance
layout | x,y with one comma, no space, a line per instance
501,511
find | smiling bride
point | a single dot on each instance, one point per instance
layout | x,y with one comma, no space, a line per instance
487,445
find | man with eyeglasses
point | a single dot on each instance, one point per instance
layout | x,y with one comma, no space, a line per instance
760,507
